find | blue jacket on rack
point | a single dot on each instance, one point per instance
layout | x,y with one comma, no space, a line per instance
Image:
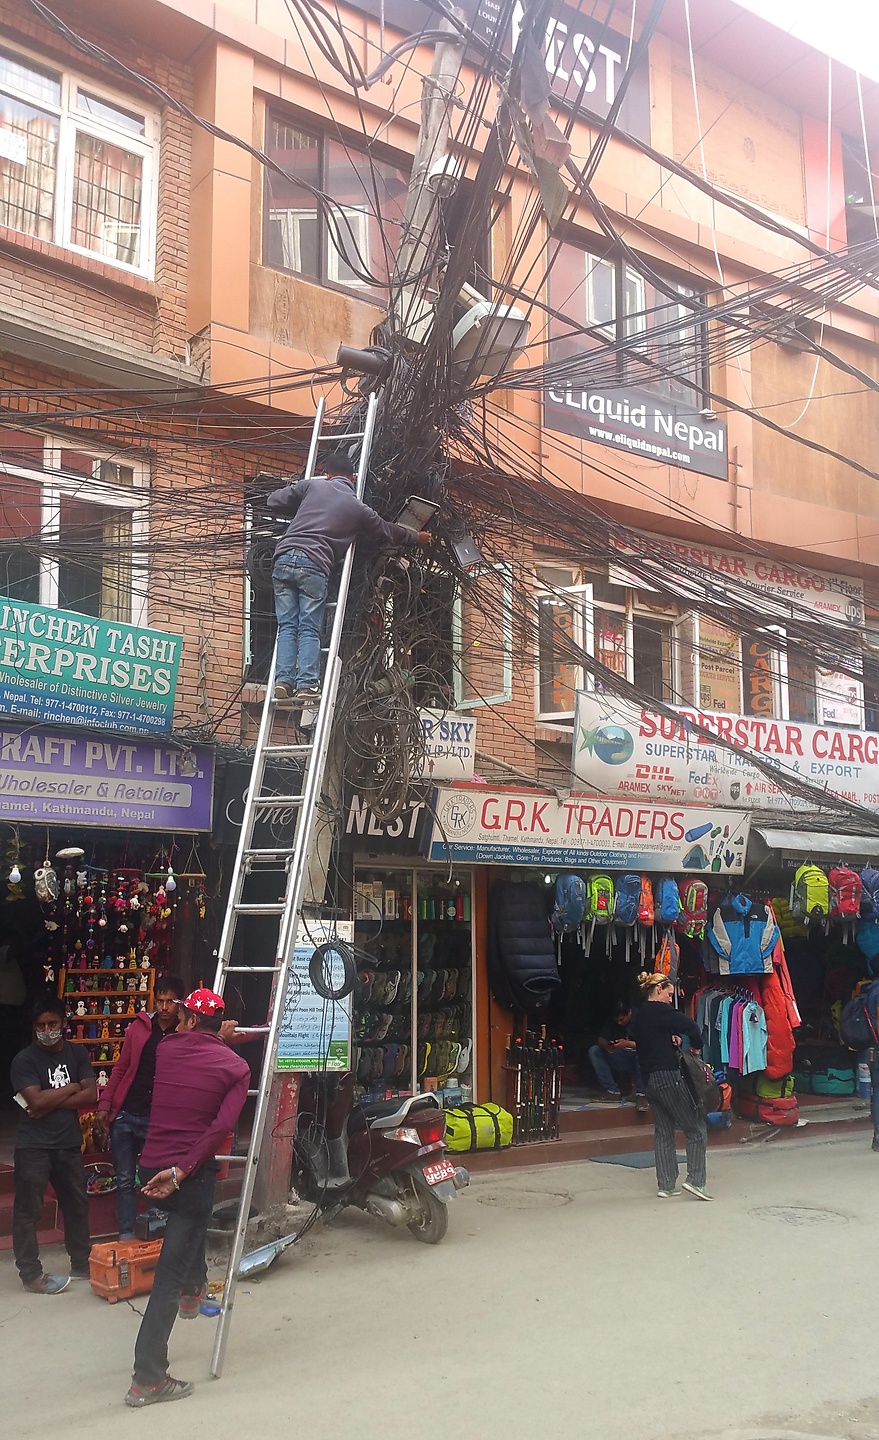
744,935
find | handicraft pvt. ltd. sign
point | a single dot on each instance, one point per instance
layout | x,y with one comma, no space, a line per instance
48,777
72,669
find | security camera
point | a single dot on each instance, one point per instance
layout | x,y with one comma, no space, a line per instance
444,176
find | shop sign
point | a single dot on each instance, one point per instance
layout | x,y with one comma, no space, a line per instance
839,597
520,828
403,836
449,745
646,425
48,777
73,669
585,59
625,750
315,1034
274,824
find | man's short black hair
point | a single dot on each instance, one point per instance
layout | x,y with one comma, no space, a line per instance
340,463
170,985
49,1005
622,1007
207,1022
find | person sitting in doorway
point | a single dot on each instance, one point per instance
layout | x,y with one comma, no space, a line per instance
327,517
615,1056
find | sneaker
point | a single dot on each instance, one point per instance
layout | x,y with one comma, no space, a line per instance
167,1389
642,1105
876,1142
80,1274
307,696
47,1284
700,1191
610,1097
284,690
669,1194
188,1305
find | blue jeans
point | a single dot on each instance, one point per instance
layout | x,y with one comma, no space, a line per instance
300,599
608,1064
127,1134
872,1056
181,1269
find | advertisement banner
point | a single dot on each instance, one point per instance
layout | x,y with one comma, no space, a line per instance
519,828
449,745
364,830
73,669
315,1033
622,749
646,425
49,778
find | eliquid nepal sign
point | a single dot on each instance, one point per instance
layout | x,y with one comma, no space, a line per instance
516,828
316,1033
49,778
75,670
624,750
644,424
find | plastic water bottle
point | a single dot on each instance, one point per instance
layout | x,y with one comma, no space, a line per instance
865,1081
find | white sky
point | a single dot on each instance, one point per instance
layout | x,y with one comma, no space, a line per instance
847,29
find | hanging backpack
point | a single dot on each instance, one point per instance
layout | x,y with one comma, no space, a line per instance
570,904
599,905
627,900
646,913
668,902
693,915
870,894
810,895
668,958
856,1023
846,889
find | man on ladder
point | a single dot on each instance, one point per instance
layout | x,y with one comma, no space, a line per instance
327,519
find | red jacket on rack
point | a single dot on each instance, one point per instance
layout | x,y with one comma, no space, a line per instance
112,1097
779,1035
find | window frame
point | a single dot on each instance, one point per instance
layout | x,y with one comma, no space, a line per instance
505,694
70,122
56,484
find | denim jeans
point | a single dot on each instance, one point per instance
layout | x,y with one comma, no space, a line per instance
181,1270
872,1055
300,599
127,1134
608,1064
34,1170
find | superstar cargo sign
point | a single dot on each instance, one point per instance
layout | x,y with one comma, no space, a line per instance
623,750
78,670
510,827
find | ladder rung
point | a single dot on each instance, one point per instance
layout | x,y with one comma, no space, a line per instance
251,969
246,1032
265,852
287,749
239,1159
267,907
253,1092
277,800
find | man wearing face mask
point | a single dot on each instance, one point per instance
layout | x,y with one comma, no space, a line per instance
52,1079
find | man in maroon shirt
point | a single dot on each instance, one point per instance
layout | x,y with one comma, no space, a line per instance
199,1089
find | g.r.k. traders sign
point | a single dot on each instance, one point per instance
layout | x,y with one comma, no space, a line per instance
644,424
76,670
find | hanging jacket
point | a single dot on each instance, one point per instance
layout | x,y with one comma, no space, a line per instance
779,1035
779,964
522,968
744,935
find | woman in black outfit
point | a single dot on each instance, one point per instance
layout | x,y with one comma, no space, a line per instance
656,1029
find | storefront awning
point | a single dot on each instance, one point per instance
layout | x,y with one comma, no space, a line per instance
814,842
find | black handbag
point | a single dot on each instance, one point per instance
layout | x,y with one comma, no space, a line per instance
699,1080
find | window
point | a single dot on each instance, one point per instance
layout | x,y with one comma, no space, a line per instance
600,300
761,675
76,166
623,632
71,526
352,243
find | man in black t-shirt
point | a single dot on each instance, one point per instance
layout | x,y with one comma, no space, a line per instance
52,1079
615,1056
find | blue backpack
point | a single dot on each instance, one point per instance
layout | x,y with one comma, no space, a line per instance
627,900
570,904
870,894
668,902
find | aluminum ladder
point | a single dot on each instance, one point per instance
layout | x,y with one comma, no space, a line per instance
294,859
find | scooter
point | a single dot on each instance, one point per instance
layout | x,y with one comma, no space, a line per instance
386,1157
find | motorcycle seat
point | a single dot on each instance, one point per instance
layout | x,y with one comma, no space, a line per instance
389,1111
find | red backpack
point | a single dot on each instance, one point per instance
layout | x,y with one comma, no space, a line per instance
846,889
694,908
783,1110
645,903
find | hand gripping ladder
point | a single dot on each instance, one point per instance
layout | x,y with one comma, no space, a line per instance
294,858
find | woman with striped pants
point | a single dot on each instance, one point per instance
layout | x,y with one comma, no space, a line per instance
657,1027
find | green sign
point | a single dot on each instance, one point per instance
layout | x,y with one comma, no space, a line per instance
56,665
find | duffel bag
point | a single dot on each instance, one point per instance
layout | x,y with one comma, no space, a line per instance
478,1127
833,1081
802,1082
767,1089
783,1111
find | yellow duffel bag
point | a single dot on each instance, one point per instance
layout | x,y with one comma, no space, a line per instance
478,1127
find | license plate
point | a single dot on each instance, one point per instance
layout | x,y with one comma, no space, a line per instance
443,1170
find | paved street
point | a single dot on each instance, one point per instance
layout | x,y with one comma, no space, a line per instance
567,1301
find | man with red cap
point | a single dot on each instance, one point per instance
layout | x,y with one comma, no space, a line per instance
198,1092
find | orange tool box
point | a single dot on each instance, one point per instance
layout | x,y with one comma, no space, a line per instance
124,1268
